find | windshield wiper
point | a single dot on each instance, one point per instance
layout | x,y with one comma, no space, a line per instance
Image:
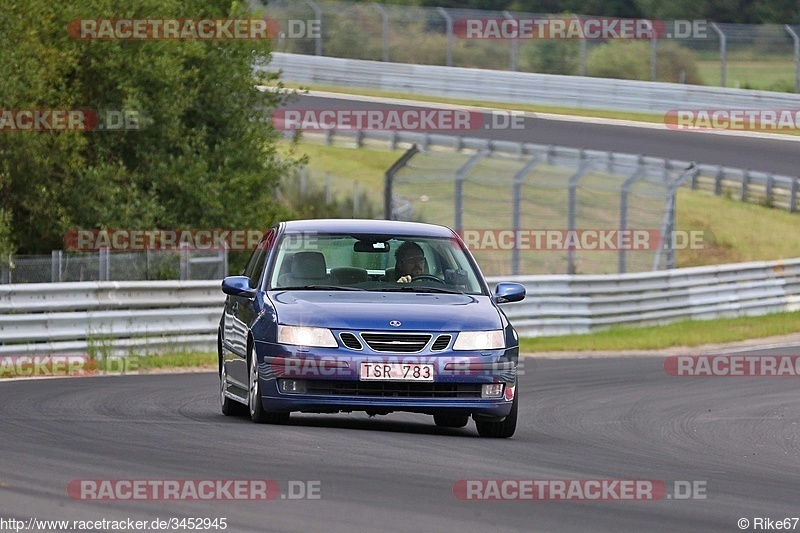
407,288
318,288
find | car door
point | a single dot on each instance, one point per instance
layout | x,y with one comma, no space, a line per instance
240,312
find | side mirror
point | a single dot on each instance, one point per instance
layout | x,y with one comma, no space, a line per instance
509,292
238,286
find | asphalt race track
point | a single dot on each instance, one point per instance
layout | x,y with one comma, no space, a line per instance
763,154
580,419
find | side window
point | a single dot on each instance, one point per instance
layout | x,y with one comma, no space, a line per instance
255,265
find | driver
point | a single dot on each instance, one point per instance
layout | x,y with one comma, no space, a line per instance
409,261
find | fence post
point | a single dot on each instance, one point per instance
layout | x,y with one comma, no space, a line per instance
384,31
103,266
796,40
723,47
583,168
355,200
328,188
184,262
318,38
449,22
623,209
514,46
147,263
653,54
516,222
461,175
583,52
668,224
388,180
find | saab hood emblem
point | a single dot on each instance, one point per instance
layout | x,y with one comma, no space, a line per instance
395,323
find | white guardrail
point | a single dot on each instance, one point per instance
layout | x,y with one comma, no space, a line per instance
521,87
146,317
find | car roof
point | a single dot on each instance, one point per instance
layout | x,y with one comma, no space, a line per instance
348,226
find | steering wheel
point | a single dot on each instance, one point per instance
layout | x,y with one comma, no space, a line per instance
428,277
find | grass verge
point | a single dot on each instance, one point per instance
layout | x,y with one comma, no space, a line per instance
683,333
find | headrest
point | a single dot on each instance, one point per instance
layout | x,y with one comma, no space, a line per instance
309,265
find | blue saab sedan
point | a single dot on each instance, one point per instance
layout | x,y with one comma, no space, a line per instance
368,315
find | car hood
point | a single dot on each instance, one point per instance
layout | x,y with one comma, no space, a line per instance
375,310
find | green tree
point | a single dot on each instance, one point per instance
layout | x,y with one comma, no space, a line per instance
204,156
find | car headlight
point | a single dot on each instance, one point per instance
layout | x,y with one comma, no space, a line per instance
480,340
306,336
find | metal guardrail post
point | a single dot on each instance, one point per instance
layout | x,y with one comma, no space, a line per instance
384,30
796,40
461,175
745,184
723,48
449,22
516,217
718,181
514,46
793,195
318,38
583,168
768,189
623,209
388,181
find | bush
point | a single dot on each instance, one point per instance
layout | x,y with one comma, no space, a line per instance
630,60
554,56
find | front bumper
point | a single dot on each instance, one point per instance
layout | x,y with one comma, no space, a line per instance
332,376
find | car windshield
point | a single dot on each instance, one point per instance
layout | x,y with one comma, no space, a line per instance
373,263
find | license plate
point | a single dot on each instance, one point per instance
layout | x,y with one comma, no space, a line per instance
396,372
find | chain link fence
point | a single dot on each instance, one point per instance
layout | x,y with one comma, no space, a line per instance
554,212
62,266
763,57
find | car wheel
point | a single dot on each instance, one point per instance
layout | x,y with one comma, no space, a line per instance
500,430
257,411
229,406
451,420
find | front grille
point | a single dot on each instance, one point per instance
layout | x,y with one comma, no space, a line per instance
396,342
393,389
351,341
440,343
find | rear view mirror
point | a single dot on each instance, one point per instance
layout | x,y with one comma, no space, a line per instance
380,247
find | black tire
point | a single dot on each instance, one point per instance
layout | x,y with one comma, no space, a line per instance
500,430
451,420
229,406
256,407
